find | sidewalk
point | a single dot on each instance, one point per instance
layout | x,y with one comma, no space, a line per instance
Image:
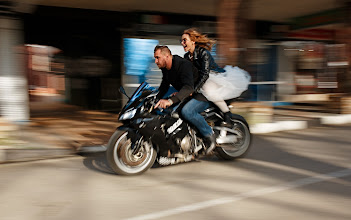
55,130
62,130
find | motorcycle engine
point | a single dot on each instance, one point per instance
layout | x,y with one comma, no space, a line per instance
178,132
185,143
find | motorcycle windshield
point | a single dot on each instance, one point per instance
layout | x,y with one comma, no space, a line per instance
142,91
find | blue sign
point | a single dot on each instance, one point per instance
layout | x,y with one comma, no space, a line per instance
138,55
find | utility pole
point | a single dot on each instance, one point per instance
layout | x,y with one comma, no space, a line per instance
348,44
14,104
231,29
343,37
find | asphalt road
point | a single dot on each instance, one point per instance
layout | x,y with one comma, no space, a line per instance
288,175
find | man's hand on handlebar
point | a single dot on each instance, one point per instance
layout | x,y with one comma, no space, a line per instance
163,103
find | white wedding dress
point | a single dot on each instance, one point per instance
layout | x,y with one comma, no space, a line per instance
228,85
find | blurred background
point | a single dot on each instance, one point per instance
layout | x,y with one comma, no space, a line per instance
79,53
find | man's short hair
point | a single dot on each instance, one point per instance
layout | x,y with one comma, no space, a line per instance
164,49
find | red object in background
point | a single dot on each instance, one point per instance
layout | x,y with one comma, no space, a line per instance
312,34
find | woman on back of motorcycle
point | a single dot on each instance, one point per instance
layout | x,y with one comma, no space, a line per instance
215,83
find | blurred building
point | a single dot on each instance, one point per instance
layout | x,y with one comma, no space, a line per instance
80,52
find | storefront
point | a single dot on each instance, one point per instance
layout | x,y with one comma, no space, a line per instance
304,57
320,61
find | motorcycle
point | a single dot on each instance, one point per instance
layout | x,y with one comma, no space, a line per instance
131,153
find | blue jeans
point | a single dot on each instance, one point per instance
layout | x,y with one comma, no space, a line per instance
191,112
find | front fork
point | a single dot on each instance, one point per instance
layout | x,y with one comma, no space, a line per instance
135,138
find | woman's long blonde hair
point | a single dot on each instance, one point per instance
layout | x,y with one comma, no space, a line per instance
200,40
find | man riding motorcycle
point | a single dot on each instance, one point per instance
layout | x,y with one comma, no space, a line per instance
182,75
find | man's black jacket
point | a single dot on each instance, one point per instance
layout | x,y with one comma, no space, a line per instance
181,76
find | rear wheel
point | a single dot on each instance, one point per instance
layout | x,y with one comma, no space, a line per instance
240,147
123,160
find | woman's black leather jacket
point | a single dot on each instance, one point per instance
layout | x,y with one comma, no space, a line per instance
204,62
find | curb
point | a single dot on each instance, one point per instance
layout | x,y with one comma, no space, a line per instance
22,155
336,119
264,128
86,150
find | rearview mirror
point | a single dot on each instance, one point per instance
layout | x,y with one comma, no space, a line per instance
121,90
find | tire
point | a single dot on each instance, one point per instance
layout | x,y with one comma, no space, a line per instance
241,147
123,161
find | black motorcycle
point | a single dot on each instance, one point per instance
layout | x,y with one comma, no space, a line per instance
130,153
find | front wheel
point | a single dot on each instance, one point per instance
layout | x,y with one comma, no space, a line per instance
123,160
240,147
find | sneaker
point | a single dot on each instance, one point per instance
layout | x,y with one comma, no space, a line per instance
210,143
165,161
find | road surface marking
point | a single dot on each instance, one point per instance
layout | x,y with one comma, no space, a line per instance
251,194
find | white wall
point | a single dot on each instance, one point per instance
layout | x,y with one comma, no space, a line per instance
285,74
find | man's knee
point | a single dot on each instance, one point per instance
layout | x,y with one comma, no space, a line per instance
187,112
184,113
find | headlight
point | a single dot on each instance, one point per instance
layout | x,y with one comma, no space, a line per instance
127,115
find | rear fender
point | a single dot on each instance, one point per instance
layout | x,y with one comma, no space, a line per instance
240,118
